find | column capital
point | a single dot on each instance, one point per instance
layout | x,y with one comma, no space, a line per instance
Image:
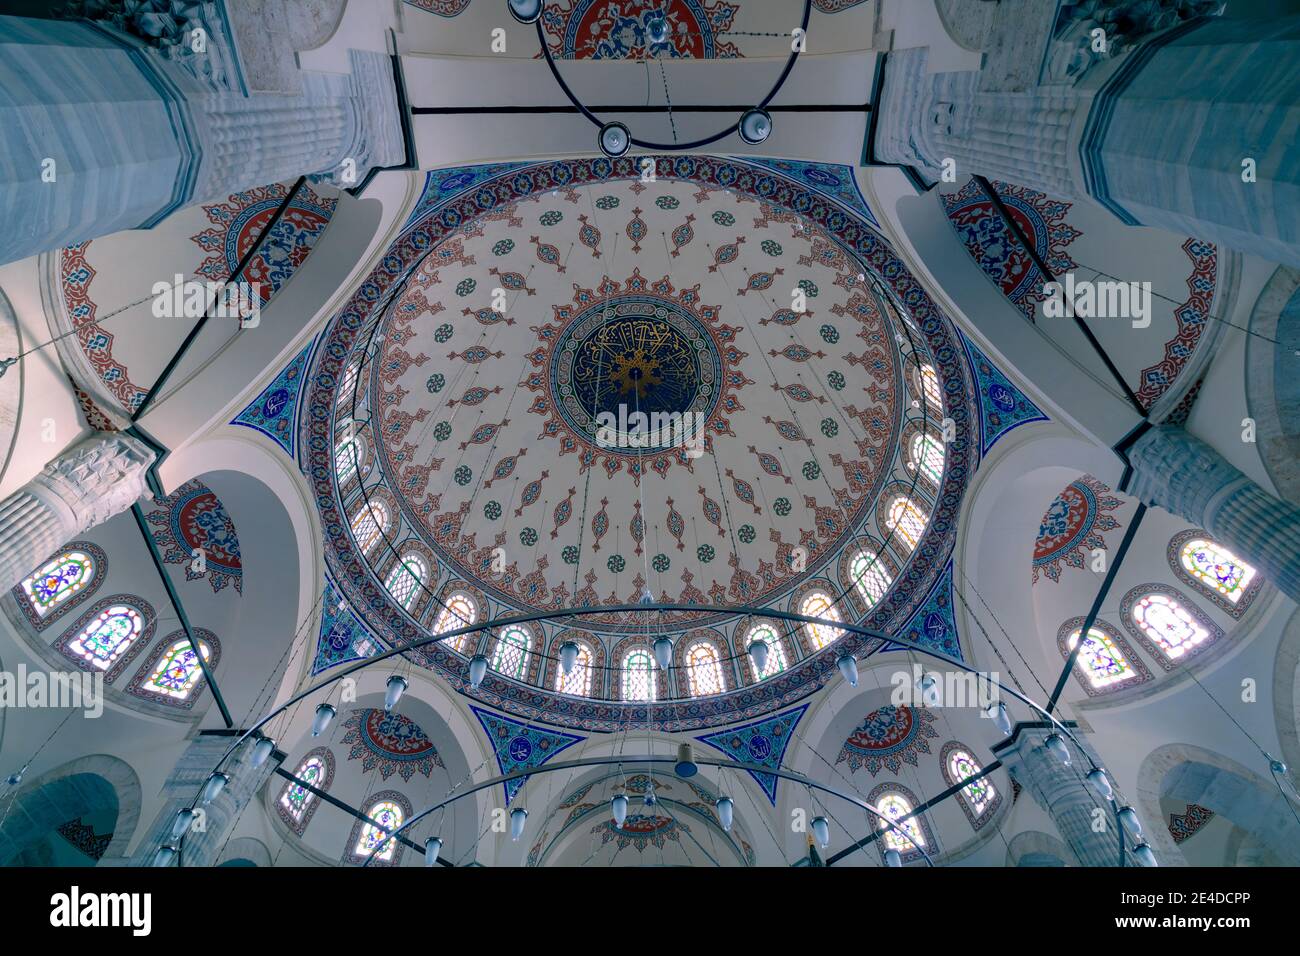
97,478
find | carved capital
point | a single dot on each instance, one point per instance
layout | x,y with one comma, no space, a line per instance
98,478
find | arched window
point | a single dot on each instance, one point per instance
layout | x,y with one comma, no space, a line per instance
1165,623
459,610
819,604
1100,659
578,681
926,453
374,840
108,639
406,578
62,582
349,455
296,803
895,807
870,577
704,669
930,387
906,520
511,657
176,677
776,661
638,675
1214,571
979,797
370,524
350,382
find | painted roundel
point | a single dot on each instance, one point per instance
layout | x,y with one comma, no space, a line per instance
585,386
1072,525
192,526
887,738
1042,221
390,743
617,30
237,223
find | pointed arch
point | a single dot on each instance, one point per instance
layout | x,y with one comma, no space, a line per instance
980,800
1213,571
295,804
1168,626
65,581
388,810
109,635
778,658
460,606
701,668
896,802
512,653
1106,663
175,677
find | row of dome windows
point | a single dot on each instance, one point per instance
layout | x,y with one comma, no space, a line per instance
296,805
1163,623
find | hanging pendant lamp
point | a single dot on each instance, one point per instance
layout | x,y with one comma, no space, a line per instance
478,665
325,714
393,691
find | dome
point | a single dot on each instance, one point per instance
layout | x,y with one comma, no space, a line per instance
576,388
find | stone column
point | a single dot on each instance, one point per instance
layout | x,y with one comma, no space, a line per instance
101,131
1185,476
1157,130
89,483
1063,793
209,832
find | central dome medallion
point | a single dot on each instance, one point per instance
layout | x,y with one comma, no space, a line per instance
641,371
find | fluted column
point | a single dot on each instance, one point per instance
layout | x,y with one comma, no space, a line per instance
85,486
100,133
1063,794
211,828
1185,476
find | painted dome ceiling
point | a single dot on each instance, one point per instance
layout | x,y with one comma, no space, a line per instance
506,345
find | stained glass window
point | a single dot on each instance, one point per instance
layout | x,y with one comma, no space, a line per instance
177,671
405,579
511,657
1217,568
895,807
980,793
578,680
295,798
870,577
66,575
907,520
927,454
349,454
350,382
369,525
1101,659
930,387
1173,628
704,669
638,676
819,604
389,816
103,641
776,661
458,611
